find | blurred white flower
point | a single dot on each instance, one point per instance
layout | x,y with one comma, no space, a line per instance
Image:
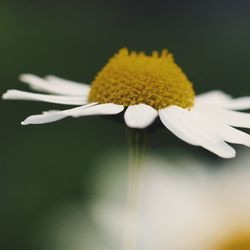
148,87
181,208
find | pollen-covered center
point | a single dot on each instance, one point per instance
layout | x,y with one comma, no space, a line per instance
133,78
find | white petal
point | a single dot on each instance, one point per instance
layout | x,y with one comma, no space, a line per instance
55,85
90,109
219,99
239,103
174,122
233,135
23,95
213,97
46,117
54,115
140,116
223,115
219,121
193,127
234,118
67,83
100,109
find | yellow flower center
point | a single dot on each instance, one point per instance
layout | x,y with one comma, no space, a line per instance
133,78
240,241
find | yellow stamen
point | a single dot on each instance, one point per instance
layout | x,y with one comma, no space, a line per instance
133,78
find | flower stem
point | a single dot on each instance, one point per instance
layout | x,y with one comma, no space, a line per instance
137,148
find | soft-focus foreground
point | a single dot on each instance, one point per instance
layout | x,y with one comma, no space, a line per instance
180,208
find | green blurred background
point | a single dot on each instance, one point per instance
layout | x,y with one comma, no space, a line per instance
47,165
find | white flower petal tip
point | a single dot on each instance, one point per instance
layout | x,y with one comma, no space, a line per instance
221,149
14,94
27,77
239,103
65,82
55,85
140,116
25,122
233,118
198,128
236,136
89,109
6,95
214,97
223,100
44,118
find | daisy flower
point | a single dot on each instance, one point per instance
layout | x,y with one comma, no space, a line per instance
147,86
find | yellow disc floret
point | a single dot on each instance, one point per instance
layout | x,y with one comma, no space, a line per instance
133,78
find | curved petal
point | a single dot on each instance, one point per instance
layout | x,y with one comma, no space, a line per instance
140,116
100,109
233,118
221,113
223,100
46,117
55,85
193,127
14,94
212,97
233,135
239,103
90,109
174,122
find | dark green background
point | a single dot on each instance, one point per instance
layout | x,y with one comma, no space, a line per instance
52,164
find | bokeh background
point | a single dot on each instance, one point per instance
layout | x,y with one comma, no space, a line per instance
46,166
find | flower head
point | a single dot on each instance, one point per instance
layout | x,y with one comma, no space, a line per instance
130,79
148,87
